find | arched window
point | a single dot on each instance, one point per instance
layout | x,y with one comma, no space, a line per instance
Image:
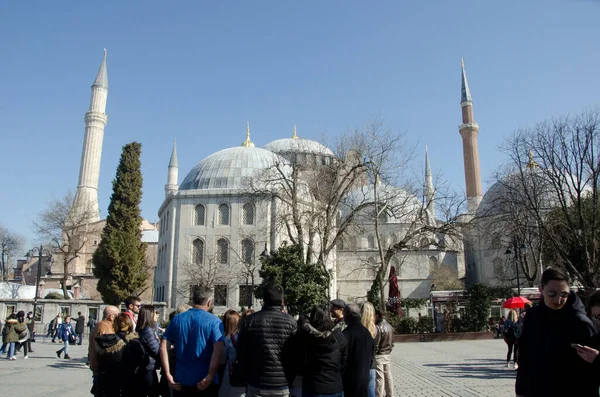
424,242
498,267
433,264
248,251
222,251
199,215
248,214
223,214
198,251
89,267
496,242
371,241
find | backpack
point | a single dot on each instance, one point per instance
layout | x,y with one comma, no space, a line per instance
135,358
236,377
509,331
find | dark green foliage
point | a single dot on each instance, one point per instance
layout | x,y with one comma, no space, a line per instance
54,295
304,285
425,325
406,325
414,303
478,308
499,292
374,294
120,263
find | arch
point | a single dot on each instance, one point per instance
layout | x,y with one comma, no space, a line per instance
199,214
248,251
223,214
433,264
222,251
371,241
498,265
89,267
198,251
248,214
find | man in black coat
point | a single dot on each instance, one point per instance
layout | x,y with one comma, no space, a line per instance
548,363
264,347
79,327
361,348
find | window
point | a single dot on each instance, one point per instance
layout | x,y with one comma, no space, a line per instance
496,243
38,314
220,295
248,251
199,215
93,313
89,267
248,214
95,242
10,309
198,251
223,214
222,251
424,242
498,267
371,241
245,296
192,289
167,222
433,264
65,311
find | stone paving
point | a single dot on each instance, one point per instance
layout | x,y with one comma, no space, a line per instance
465,368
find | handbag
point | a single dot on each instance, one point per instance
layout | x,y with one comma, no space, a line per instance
72,339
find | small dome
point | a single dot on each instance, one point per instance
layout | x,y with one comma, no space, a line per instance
231,168
401,206
298,145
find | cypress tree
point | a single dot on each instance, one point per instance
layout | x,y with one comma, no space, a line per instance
119,261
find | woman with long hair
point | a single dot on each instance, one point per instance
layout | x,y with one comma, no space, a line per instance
322,358
148,379
511,330
229,385
368,320
66,333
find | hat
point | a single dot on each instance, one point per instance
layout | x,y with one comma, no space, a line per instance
338,303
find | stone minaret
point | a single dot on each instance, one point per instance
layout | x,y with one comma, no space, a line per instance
429,190
86,200
469,130
172,185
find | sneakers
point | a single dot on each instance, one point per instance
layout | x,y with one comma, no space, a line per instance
25,358
58,352
516,366
67,357
13,358
507,365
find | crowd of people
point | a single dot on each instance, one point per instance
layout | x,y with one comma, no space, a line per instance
336,350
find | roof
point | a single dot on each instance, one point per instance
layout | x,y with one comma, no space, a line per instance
173,162
465,93
298,145
102,76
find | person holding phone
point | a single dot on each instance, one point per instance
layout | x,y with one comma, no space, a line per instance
546,355
590,354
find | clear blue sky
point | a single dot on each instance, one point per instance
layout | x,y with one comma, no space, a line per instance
197,70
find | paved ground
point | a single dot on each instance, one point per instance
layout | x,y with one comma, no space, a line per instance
467,368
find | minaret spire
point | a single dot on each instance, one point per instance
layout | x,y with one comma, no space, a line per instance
429,190
295,136
86,199
173,172
247,142
469,130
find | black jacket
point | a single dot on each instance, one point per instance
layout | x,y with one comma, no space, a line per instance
151,345
361,350
264,348
386,338
548,364
322,360
80,326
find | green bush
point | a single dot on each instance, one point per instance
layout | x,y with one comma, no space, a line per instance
54,295
425,325
406,325
478,308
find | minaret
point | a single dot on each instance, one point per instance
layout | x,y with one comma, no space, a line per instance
469,130
429,191
173,175
86,200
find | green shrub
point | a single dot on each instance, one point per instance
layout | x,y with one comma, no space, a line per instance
54,295
425,325
478,308
407,325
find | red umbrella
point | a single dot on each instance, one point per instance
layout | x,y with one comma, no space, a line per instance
394,303
516,302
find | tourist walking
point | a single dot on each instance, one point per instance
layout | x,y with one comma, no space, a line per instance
148,379
384,383
368,320
31,327
79,327
511,333
11,335
546,356
264,347
194,334
91,324
56,328
66,333
23,335
233,384
361,348
104,327
337,312
324,352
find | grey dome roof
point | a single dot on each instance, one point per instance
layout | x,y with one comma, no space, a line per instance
231,168
298,145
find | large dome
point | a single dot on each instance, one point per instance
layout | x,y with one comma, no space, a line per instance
231,168
298,145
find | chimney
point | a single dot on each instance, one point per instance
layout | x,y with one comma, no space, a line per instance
76,290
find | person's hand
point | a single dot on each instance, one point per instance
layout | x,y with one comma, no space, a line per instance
587,353
204,383
172,384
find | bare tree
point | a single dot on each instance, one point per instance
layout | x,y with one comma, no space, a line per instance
556,169
10,245
65,229
445,278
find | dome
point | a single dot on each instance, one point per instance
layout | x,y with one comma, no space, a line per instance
401,206
230,168
298,145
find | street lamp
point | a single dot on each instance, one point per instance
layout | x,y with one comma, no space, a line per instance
265,253
40,253
517,251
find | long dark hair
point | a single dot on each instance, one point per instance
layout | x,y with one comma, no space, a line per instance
320,318
145,318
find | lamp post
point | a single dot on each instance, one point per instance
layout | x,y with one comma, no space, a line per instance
3,272
518,251
40,253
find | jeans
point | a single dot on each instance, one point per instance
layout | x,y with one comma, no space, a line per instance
255,392
79,338
11,349
384,383
65,349
371,383
309,394
3,348
193,391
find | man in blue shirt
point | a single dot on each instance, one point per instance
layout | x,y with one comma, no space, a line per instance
194,334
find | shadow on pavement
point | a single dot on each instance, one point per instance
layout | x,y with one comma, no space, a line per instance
478,369
72,364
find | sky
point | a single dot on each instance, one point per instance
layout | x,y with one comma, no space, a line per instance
196,71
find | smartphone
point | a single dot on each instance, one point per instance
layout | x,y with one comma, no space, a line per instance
576,346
